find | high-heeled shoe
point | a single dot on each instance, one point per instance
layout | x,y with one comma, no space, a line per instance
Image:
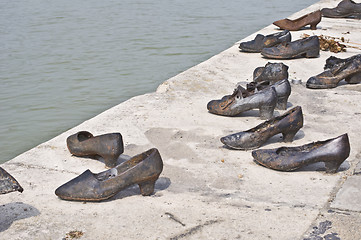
283,90
108,146
349,70
308,47
311,19
8,183
333,152
288,124
232,105
261,41
143,169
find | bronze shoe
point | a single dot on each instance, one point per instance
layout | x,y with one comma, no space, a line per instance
333,152
143,169
349,70
8,183
345,9
308,47
261,41
282,88
311,19
272,72
331,61
108,146
288,124
238,102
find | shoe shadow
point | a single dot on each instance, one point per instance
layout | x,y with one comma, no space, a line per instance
320,167
161,184
314,167
12,212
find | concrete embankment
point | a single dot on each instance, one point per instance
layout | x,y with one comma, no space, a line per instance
205,191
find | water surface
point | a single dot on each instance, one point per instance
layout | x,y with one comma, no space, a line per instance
63,62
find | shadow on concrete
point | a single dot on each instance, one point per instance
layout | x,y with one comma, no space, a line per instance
12,212
161,184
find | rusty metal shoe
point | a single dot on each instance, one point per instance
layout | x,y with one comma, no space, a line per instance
331,61
8,183
272,72
333,152
288,124
142,169
108,146
345,9
311,19
283,90
349,70
307,47
261,41
232,105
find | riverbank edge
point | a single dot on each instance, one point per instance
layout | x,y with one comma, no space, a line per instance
205,190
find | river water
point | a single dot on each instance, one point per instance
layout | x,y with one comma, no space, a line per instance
62,62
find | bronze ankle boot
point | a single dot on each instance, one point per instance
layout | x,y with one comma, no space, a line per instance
311,19
272,72
349,70
108,146
333,152
332,61
8,183
288,124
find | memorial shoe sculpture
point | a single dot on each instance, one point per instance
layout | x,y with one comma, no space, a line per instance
307,47
142,169
288,124
272,72
256,45
349,69
331,61
345,9
8,183
108,146
311,19
333,152
282,88
241,101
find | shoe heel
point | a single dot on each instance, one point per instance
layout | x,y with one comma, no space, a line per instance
282,103
354,78
147,188
288,137
331,167
110,162
313,26
266,112
312,53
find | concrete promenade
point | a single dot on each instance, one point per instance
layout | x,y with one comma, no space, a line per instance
205,191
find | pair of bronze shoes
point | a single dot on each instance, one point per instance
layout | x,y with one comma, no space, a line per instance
270,90
333,152
279,46
337,69
142,169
